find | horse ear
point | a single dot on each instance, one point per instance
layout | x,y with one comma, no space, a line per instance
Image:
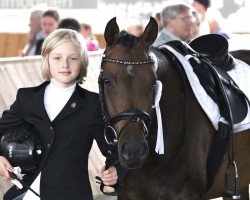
111,32
150,33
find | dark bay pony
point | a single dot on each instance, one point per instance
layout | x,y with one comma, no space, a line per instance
127,86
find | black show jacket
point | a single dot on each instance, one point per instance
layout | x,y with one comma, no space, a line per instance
66,141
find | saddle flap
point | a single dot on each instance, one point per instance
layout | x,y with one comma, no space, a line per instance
237,99
237,103
219,85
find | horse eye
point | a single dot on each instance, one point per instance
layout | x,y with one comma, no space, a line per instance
107,81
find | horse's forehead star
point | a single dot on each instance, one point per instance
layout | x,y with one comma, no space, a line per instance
130,70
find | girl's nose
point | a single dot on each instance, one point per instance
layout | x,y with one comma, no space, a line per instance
65,63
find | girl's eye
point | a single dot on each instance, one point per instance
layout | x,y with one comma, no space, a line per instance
73,58
56,58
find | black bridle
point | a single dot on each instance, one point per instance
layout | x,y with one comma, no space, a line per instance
111,121
130,115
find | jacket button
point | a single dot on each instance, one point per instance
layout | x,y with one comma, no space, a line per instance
48,145
51,128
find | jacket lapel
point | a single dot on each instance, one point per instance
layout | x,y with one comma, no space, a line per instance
39,101
74,103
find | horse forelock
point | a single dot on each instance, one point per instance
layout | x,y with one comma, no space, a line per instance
126,39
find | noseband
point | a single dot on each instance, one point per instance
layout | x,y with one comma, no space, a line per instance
132,115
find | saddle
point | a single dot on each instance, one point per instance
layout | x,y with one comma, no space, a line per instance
211,68
214,47
210,61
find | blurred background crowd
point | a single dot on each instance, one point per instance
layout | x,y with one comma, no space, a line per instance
27,23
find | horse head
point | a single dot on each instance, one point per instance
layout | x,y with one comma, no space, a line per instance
126,83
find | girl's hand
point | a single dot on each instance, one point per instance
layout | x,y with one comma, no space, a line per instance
109,176
5,168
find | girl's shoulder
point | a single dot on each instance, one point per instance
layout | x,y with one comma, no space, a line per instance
28,92
87,93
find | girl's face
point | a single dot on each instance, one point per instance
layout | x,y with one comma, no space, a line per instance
65,63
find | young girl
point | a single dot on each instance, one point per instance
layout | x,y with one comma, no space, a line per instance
67,117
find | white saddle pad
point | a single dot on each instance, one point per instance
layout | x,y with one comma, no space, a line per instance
240,74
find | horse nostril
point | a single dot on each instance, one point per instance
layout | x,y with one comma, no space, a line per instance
125,152
143,149
123,147
134,153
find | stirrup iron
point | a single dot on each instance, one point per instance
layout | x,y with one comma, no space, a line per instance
229,193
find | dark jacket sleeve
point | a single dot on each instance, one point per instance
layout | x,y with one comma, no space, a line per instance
12,118
97,130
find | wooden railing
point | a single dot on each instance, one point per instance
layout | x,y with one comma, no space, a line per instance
11,44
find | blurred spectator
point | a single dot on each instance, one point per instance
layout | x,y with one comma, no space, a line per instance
91,41
49,23
135,28
35,33
70,23
215,21
195,29
177,20
159,21
201,7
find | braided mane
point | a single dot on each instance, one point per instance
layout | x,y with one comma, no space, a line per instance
127,39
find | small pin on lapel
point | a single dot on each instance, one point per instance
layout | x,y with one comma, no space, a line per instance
73,105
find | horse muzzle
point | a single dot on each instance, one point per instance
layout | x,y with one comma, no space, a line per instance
132,155
131,137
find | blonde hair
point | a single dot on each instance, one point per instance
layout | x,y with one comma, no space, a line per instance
55,39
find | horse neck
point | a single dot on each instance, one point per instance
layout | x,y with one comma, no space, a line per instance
171,105
182,115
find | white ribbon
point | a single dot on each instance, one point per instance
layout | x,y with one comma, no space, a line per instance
153,56
17,171
159,148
